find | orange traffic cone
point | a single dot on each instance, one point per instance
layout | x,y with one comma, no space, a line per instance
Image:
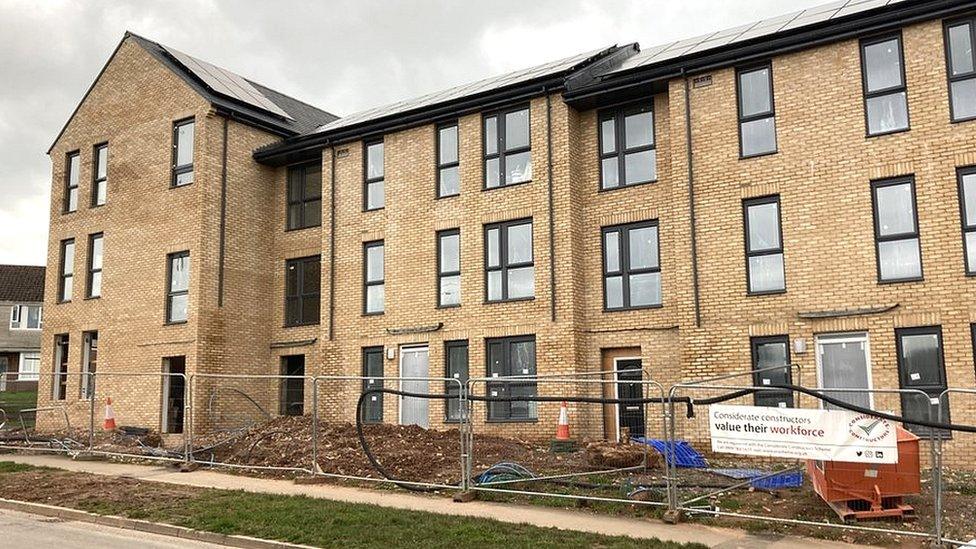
109,424
562,430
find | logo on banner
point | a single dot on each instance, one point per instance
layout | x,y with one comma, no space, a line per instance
869,428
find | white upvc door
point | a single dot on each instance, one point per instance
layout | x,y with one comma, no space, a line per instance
844,362
414,363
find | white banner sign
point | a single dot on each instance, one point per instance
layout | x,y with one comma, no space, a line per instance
828,435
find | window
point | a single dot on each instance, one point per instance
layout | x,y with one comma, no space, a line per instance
449,268
455,368
896,230
372,410
765,270
95,265
509,267
25,317
60,385
769,352
100,175
631,267
512,356
967,206
961,65
448,176
757,115
508,156
303,282
73,165
627,153
374,283
182,153
89,363
67,277
883,79
30,367
304,196
292,388
374,195
921,366
178,285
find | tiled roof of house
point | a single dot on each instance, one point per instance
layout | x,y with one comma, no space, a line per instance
21,283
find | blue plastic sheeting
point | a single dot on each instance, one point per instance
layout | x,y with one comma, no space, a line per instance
682,456
790,479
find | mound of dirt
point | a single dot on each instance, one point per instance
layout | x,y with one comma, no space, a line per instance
602,453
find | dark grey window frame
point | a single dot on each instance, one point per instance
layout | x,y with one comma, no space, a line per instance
865,95
170,293
371,405
290,387
367,180
62,274
771,113
179,170
98,182
89,364
878,239
967,228
503,265
951,78
507,342
301,172
746,204
932,390
368,283
972,333
301,295
91,270
624,271
68,187
450,370
441,274
62,347
619,115
500,151
761,398
437,157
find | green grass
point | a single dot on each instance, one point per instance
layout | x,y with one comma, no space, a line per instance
11,467
13,402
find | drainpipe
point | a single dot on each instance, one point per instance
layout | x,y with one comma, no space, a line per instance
552,208
223,218
332,241
691,201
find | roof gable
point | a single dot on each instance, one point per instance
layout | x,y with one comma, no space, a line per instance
21,283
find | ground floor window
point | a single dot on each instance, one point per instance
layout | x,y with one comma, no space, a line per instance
512,357
60,385
921,366
292,388
89,363
372,410
30,367
456,368
174,393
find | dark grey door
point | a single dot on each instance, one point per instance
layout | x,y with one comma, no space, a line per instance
630,415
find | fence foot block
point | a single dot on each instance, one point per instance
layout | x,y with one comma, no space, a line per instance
189,466
310,480
87,456
672,517
465,496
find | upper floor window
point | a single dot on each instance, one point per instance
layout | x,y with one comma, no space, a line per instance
896,230
182,152
508,155
512,357
99,175
72,167
768,353
448,176
885,93
967,205
509,266
631,266
66,270
25,317
627,153
374,278
921,367
764,246
959,37
374,194
178,287
449,268
304,196
94,265
757,116
302,290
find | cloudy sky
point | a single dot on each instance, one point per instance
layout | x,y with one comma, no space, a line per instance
342,56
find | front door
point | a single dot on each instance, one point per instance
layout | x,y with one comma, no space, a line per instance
844,363
414,364
629,377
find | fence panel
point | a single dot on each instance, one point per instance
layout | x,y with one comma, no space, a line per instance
45,412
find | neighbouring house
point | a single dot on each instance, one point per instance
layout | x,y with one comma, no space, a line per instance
21,311
747,198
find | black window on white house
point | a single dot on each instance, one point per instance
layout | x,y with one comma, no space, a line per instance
885,93
72,167
507,148
66,270
303,291
967,206
449,268
372,410
757,116
509,265
304,196
178,287
631,266
448,174
959,37
765,268
183,133
374,193
94,282
921,367
896,230
374,279
627,153
770,361
511,357
100,175
456,372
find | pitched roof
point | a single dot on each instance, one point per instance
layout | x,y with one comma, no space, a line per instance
21,283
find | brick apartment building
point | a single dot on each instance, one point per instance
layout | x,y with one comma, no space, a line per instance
547,221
